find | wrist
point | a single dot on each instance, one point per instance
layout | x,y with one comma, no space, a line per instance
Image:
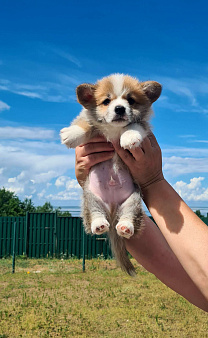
151,181
150,191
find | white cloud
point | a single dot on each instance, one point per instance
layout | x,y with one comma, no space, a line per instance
12,180
26,133
4,106
179,86
32,95
65,196
187,136
28,167
23,86
1,170
185,86
67,56
191,107
201,141
15,189
193,191
61,181
72,184
59,89
72,189
3,87
192,89
185,151
41,194
67,182
41,147
176,166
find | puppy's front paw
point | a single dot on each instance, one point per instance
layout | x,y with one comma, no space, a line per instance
72,136
125,229
99,226
130,139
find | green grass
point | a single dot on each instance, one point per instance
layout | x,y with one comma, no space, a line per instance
54,298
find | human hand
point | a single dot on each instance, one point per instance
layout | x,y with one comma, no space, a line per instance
144,162
87,155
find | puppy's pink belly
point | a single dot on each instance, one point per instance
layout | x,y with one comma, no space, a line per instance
112,188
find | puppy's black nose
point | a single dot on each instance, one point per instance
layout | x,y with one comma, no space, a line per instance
120,110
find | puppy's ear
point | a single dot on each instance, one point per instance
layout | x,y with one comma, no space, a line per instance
152,89
85,95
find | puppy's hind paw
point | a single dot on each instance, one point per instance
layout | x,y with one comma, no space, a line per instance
125,229
99,226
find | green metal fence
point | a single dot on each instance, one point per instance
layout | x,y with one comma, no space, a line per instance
47,235
7,235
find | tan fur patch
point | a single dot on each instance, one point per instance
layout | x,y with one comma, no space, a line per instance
83,124
134,89
103,90
102,110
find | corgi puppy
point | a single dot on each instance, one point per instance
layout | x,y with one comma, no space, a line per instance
119,108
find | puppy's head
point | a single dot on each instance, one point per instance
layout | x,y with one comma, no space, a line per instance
119,99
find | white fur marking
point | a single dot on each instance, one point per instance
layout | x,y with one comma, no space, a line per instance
117,81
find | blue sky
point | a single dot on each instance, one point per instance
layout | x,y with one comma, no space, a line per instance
48,48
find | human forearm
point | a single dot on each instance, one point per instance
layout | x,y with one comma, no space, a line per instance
153,252
185,233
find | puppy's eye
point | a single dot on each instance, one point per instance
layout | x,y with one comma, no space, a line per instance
131,101
106,102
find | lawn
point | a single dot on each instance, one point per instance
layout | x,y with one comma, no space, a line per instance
54,298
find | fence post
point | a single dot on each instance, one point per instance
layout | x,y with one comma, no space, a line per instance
54,234
83,252
14,247
26,233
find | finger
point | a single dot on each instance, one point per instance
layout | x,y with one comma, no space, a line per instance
125,155
137,153
98,138
90,148
153,140
146,145
96,158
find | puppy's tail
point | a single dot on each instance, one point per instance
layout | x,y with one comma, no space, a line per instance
119,250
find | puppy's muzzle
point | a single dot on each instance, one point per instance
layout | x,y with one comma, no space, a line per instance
120,115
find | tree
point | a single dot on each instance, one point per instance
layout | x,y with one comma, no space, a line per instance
47,207
10,204
28,205
199,214
63,213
